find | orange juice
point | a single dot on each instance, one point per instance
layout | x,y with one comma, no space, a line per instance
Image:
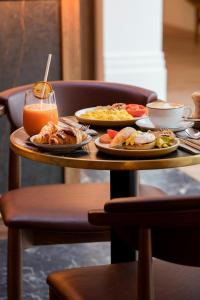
35,116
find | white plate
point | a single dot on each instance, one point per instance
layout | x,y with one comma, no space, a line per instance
155,152
109,123
147,124
61,148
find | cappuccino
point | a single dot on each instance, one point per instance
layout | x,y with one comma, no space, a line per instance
166,114
164,105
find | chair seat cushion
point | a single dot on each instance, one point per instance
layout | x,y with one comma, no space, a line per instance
58,207
116,282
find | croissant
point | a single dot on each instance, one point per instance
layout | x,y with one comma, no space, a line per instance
67,135
55,135
45,133
62,137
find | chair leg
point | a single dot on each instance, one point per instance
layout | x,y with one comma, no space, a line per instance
14,171
52,295
14,259
145,277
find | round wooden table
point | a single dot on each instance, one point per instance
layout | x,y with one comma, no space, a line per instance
123,172
91,158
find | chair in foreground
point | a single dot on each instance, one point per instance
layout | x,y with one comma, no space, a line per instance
55,214
148,278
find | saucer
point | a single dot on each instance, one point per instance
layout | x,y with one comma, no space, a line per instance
146,124
66,148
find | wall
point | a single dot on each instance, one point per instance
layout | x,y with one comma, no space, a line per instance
133,43
179,13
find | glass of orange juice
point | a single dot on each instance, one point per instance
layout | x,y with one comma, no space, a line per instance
38,112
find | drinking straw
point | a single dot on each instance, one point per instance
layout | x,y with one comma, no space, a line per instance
46,75
47,67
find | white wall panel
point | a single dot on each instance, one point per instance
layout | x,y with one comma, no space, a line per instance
133,43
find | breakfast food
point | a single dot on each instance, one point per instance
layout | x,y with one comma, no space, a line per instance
115,112
107,113
107,137
136,110
119,105
55,135
132,139
122,136
142,140
164,138
45,133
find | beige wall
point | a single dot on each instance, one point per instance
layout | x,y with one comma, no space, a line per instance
179,13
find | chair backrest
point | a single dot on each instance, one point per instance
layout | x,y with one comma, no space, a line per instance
176,213
171,218
74,95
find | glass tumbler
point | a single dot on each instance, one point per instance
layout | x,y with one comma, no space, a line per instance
38,112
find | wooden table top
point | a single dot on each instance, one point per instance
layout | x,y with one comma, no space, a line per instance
93,159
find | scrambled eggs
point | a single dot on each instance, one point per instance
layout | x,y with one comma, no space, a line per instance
107,114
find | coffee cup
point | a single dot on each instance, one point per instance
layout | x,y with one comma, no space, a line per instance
167,114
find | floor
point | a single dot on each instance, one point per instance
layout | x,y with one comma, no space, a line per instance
182,56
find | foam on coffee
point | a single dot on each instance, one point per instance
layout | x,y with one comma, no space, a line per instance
164,105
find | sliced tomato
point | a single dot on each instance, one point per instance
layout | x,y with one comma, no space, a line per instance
112,133
105,139
136,110
132,105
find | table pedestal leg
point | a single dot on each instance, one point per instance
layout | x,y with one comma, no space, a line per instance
122,184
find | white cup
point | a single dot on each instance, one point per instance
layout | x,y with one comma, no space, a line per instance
167,114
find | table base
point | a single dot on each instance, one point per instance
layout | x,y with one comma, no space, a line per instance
122,184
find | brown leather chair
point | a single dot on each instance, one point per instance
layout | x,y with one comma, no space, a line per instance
56,214
148,278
